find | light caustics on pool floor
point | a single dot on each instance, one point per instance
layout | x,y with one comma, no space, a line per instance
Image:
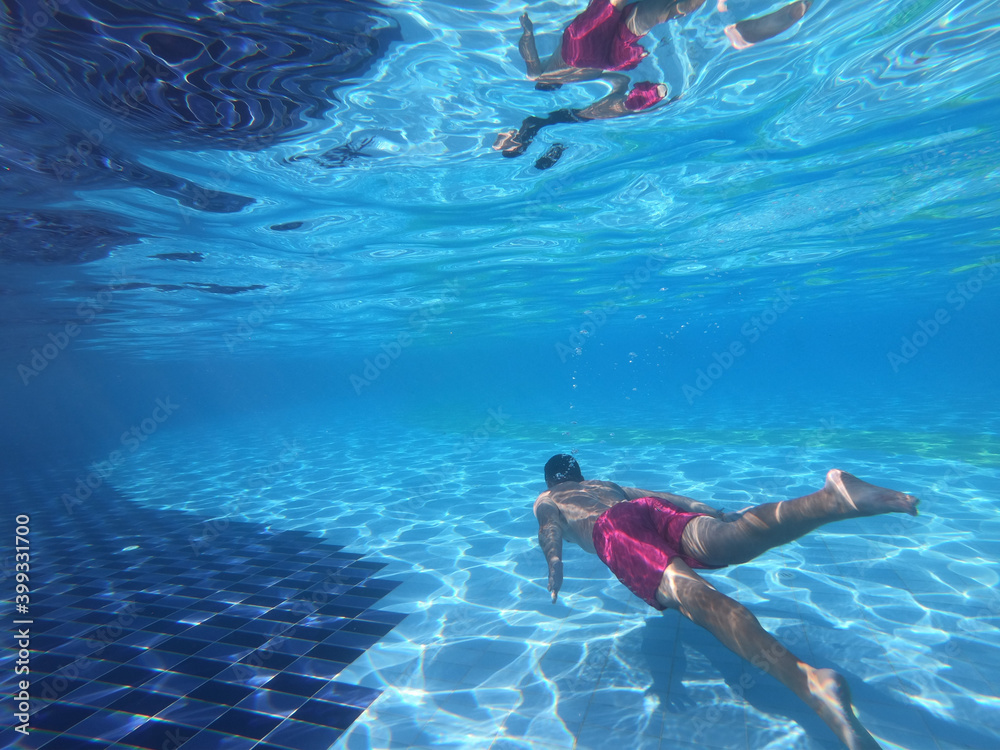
905,607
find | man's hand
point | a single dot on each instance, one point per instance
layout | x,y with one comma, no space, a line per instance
555,577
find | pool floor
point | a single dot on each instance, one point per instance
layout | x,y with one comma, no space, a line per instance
905,607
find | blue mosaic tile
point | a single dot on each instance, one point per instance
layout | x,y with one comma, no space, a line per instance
194,713
298,735
142,702
107,725
156,734
330,652
351,640
129,675
173,683
348,695
157,660
48,663
96,694
181,645
68,742
368,628
222,693
245,723
272,702
208,740
246,674
222,648
296,684
199,667
58,718
327,714
317,668
271,659
120,653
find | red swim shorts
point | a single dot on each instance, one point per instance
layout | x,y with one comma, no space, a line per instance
600,38
638,539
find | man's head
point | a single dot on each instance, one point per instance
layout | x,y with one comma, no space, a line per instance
562,468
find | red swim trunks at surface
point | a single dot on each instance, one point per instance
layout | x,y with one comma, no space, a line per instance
638,539
599,38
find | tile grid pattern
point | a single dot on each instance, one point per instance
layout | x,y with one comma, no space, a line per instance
165,638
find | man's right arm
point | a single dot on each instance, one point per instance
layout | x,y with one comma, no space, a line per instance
550,539
529,53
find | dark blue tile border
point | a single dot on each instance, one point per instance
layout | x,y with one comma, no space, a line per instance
232,644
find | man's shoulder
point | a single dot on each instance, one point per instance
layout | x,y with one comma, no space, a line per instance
601,484
587,491
545,505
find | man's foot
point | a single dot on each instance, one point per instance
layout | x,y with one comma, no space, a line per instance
747,33
550,157
831,699
507,143
865,499
505,140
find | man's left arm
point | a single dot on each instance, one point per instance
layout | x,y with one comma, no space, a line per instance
686,503
526,46
550,539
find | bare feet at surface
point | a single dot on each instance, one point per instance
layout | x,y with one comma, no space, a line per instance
505,140
866,499
832,701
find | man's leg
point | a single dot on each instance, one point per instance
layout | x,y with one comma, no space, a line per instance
646,14
716,542
823,690
515,142
747,33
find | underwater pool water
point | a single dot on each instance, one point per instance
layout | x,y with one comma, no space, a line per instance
286,345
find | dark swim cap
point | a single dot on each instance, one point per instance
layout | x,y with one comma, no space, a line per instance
562,468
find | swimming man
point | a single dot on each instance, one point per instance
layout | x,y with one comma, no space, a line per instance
605,37
654,541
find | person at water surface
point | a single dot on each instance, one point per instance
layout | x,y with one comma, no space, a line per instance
654,541
604,40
